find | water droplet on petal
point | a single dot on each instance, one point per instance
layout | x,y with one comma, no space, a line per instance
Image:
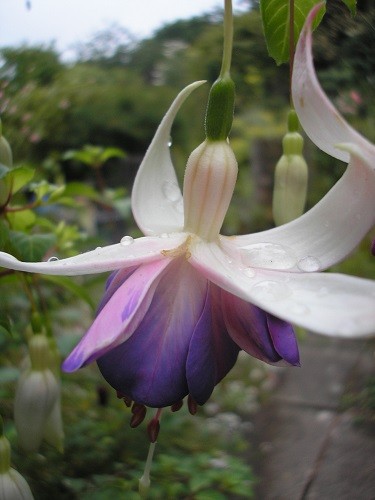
170,142
171,191
126,241
98,250
272,290
164,235
268,256
249,272
53,259
309,264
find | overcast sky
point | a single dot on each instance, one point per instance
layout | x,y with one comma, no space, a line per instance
70,21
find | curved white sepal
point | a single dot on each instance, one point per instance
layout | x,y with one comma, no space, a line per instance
330,304
156,197
333,228
104,259
319,118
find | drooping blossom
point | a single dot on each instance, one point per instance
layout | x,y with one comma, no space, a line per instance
37,406
13,486
183,299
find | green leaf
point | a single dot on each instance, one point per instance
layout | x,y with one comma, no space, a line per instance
275,18
81,189
21,220
352,6
70,285
20,177
32,247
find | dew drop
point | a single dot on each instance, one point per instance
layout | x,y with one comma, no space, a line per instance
170,142
53,259
309,264
126,241
272,290
171,191
164,235
268,256
249,272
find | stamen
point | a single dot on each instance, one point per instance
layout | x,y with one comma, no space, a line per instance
177,406
153,426
192,405
139,413
145,481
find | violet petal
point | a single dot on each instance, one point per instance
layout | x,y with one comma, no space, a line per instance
120,313
150,366
247,326
212,353
284,339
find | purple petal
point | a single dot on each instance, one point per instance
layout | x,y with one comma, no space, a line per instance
114,281
150,367
247,325
284,339
122,309
212,353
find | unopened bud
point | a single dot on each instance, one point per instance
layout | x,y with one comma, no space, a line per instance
12,485
6,157
291,176
37,412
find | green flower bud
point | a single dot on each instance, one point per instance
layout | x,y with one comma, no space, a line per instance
219,114
6,157
12,485
291,176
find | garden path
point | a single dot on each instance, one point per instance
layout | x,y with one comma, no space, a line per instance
315,437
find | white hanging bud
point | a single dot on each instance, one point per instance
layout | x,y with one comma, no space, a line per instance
12,485
37,400
291,176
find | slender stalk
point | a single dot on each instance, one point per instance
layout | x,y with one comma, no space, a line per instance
291,47
228,39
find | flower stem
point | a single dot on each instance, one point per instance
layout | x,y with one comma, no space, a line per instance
291,48
228,39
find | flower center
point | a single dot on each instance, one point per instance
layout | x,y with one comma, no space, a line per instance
210,177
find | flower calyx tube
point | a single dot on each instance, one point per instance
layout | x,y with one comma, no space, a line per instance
291,176
211,170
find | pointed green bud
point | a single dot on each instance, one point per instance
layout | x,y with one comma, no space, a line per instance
291,176
12,485
4,455
219,114
6,157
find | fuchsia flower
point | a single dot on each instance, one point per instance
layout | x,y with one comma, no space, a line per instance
183,300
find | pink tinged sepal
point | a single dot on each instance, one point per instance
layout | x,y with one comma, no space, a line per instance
121,255
319,118
123,307
327,233
330,304
150,367
157,203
